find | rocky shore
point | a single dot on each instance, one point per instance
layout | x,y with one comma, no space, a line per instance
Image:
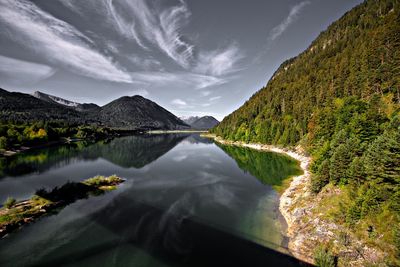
307,228
289,198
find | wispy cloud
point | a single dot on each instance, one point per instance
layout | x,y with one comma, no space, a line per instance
57,41
23,71
206,93
145,63
210,101
178,79
142,92
126,27
170,39
71,5
180,158
203,81
219,62
215,98
159,27
179,102
293,15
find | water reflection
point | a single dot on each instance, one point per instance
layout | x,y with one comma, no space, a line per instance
129,151
270,168
191,205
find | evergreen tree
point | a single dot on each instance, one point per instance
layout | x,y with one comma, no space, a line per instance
382,162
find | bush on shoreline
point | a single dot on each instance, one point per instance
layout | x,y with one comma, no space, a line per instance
323,258
9,202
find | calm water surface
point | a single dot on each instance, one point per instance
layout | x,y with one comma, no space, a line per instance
186,202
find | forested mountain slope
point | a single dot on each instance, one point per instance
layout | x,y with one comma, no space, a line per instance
66,103
125,113
340,100
357,56
137,112
23,107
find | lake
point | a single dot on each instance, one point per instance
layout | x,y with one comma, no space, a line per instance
185,202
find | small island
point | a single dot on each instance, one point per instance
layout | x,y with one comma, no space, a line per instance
14,214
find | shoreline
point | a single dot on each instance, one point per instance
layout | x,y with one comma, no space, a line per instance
44,203
297,188
12,152
307,227
175,131
67,140
17,149
61,141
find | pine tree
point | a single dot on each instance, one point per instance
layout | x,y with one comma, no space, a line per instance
382,162
356,171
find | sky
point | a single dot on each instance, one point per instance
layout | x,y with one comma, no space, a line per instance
193,57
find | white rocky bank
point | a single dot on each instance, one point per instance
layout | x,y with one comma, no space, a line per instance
306,230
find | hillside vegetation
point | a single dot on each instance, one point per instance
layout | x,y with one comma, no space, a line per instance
128,113
340,100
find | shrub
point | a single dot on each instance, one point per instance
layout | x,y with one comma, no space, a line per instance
323,258
396,237
101,180
9,202
3,142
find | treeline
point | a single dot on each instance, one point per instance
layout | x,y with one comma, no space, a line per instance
340,99
14,135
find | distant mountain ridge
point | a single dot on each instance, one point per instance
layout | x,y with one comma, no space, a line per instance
189,119
21,107
205,123
127,113
200,123
64,102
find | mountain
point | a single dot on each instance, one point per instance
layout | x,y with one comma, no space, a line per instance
189,119
137,112
355,59
357,56
200,123
23,107
340,99
205,123
64,102
126,113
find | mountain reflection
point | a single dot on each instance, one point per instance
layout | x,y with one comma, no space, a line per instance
270,168
126,152
194,206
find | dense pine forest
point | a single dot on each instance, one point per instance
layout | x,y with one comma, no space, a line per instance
340,100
